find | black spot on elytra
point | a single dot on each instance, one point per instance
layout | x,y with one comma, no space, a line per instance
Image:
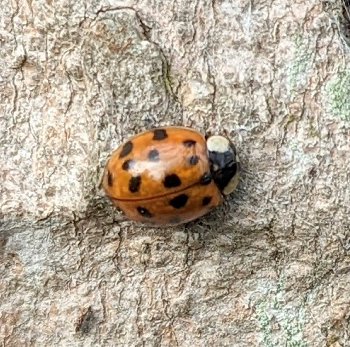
194,159
127,148
189,143
144,212
159,134
128,164
206,179
109,178
172,181
179,201
134,184
206,200
153,155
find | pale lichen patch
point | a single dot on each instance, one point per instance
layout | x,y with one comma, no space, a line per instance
337,94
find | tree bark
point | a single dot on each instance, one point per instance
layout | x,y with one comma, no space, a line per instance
268,268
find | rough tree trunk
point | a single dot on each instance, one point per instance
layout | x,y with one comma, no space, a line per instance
270,268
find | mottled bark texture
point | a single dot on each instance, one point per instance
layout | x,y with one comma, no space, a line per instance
269,268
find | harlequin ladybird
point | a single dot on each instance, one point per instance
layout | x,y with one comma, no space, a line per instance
172,175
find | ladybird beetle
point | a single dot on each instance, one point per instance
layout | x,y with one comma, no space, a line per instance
171,175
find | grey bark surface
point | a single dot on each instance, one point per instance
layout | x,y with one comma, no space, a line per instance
269,268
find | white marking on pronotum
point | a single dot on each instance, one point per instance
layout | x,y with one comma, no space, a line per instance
218,144
231,186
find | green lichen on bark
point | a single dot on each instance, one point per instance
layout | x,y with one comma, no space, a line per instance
301,65
338,91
